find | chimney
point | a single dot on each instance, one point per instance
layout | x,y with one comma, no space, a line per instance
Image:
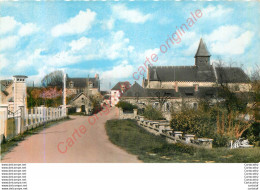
196,87
96,76
176,87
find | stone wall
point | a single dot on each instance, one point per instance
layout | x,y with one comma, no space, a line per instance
163,129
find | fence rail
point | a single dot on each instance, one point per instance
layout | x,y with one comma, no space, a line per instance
23,119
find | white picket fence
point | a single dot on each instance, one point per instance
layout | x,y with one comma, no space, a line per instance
15,123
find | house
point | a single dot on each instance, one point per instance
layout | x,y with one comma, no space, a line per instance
117,91
90,86
13,92
173,86
168,98
81,103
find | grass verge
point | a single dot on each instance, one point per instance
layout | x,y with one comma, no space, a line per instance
150,148
10,144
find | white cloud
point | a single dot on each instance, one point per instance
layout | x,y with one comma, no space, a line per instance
28,29
224,33
216,11
116,47
8,42
4,62
233,46
225,40
76,25
30,59
80,43
112,47
123,70
63,58
7,24
130,15
109,24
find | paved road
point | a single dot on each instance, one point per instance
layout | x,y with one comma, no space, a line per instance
82,146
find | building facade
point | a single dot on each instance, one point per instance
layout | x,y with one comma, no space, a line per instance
171,87
117,91
90,86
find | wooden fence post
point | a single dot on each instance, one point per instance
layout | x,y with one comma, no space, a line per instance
21,120
26,117
32,116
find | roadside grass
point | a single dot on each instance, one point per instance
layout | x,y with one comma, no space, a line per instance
10,144
154,149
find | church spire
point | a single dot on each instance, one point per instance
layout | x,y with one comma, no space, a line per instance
202,56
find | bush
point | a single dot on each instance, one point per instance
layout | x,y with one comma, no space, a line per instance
253,133
152,113
126,106
220,140
194,122
72,110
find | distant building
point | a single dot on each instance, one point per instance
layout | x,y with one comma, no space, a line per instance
81,102
80,89
180,85
202,74
78,85
118,90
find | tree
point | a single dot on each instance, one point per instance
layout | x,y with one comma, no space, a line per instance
237,104
35,94
53,79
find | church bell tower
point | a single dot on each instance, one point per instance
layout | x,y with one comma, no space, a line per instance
202,56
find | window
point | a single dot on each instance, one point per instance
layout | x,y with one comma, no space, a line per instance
195,106
167,106
156,104
236,88
196,87
82,100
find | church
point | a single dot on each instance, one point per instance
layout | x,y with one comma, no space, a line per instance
173,85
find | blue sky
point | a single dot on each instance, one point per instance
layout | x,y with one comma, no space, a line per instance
114,38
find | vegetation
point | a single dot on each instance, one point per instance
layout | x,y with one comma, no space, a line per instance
53,79
152,113
126,106
49,96
151,148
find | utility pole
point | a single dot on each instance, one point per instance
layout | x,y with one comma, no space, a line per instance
64,92
88,94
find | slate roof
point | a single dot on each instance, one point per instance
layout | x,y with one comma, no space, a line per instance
3,89
182,73
202,50
82,82
6,83
119,85
137,91
198,74
231,75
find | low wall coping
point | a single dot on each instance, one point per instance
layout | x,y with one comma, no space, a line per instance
189,135
205,139
177,132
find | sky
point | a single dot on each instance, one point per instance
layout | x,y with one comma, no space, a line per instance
114,39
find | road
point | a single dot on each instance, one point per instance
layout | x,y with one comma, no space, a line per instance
78,142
